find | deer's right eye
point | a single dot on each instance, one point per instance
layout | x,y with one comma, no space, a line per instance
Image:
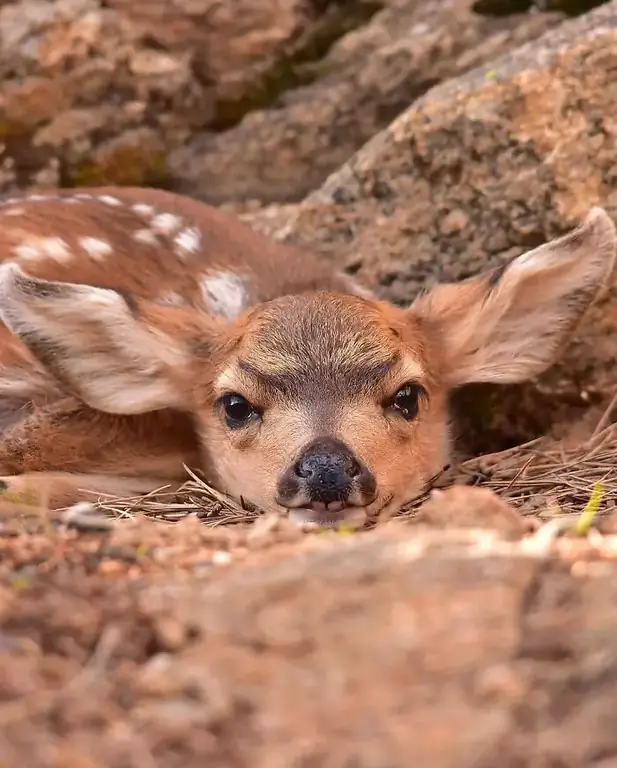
238,411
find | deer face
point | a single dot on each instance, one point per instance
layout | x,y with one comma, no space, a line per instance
327,405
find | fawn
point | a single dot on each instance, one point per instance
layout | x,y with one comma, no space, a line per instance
144,330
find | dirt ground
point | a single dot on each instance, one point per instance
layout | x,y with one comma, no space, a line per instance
461,636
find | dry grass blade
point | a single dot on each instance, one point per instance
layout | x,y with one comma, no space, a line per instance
195,497
531,474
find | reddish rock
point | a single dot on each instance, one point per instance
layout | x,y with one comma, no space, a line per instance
97,91
369,76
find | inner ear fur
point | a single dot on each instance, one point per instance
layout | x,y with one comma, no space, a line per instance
107,352
509,324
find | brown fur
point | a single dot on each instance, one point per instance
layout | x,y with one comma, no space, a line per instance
108,390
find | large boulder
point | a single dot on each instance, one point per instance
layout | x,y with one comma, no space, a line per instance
366,79
146,92
153,92
475,172
98,91
403,648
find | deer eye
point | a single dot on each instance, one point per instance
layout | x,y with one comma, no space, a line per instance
407,401
237,409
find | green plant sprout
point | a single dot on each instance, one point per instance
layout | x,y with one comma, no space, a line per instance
585,520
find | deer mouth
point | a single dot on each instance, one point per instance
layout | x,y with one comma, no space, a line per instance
328,518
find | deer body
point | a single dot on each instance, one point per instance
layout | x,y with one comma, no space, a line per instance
144,330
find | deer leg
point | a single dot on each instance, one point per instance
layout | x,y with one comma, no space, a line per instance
55,490
64,453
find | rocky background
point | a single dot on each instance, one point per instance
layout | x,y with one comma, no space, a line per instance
225,100
411,141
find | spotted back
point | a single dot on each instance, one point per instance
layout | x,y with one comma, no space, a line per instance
154,245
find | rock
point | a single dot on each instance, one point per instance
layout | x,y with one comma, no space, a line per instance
507,7
98,91
374,650
368,77
388,649
478,170
464,507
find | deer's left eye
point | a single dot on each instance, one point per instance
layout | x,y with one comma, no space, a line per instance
406,401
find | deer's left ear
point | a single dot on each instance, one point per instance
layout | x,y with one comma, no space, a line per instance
91,341
509,324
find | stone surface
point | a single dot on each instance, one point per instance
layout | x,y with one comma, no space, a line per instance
392,648
367,79
475,172
95,90
463,507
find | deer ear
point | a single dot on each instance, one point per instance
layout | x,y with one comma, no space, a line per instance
92,342
509,324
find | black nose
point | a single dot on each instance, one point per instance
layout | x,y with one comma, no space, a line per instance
328,468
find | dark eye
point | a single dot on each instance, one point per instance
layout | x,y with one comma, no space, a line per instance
407,401
238,411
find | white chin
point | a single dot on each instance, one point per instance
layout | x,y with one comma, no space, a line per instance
354,516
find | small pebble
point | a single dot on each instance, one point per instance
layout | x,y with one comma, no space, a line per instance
221,558
109,567
261,530
85,517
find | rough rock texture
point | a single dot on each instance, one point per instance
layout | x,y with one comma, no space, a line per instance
99,92
366,80
463,507
480,169
96,90
394,648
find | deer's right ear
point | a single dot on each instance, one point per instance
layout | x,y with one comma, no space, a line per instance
89,338
509,324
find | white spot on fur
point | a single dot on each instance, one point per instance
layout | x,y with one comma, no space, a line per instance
146,236
39,247
171,299
109,200
83,196
166,223
14,212
38,198
56,248
143,209
27,251
224,294
188,240
95,248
